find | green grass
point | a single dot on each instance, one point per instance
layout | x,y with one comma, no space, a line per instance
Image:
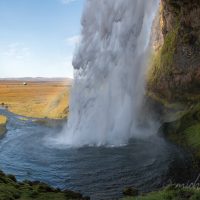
3,120
10,189
37,99
192,135
170,193
185,131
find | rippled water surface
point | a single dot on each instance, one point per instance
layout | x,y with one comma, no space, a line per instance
101,173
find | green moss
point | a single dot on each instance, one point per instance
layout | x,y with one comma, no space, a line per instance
162,101
185,131
192,135
10,189
170,193
161,61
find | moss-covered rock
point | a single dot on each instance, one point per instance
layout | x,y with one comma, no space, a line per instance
10,189
185,131
175,68
173,80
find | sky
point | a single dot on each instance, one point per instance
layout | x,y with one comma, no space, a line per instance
38,37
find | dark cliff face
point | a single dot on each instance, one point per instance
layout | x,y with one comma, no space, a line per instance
175,70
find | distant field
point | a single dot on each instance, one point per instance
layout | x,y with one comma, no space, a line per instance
39,98
3,120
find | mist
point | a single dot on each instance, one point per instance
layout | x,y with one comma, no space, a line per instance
110,65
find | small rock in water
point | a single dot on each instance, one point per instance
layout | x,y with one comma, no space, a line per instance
130,191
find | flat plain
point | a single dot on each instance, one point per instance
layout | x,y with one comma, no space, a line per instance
38,98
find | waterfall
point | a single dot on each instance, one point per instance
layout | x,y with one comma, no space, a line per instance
110,65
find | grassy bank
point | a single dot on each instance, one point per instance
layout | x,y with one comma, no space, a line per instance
38,99
10,189
3,122
171,193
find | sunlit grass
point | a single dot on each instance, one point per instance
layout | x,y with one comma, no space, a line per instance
36,99
3,120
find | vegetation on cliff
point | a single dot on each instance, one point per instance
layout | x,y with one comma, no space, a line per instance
172,192
174,75
10,189
162,57
173,85
185,131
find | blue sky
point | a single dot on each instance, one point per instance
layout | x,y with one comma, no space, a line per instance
38,37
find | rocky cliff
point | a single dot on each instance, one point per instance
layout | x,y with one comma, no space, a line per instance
174,76
175,69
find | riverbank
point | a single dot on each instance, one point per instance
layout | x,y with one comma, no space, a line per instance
10,188
3,122
37,98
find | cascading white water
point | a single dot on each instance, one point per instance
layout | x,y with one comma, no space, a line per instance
109,72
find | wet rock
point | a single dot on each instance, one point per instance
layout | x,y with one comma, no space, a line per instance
69,193
174,72
130,191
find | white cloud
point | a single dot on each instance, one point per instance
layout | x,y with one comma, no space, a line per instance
74,40
67,1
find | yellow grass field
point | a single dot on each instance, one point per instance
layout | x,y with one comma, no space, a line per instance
3,120
38,99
